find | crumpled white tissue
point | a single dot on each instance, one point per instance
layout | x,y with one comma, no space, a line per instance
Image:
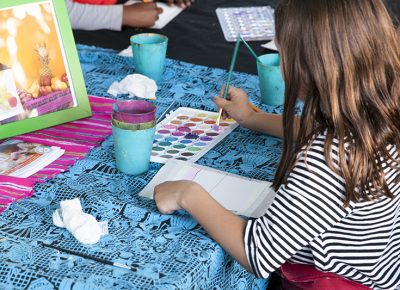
136,85
82,226
126,52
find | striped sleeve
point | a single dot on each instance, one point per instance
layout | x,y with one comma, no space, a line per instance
306,206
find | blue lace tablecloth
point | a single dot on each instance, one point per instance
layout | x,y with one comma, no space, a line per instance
170,251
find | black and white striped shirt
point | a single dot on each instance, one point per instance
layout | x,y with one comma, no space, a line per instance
306,223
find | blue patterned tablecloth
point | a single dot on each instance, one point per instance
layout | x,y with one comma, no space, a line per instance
170,251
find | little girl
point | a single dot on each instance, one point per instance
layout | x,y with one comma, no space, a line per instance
337,204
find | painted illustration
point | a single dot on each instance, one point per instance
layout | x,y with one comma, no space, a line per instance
15,155
33,69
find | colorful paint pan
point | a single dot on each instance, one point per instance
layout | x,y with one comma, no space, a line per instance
200,144
206,138
171,139
187,134
182,158
164,132
179,146
164,144
194,149
191,136
166,156
186,141
158,149
216,128
170,126
190,125
178,134
198,132
187,154
184,129
212,134
196,120
203,127
224,124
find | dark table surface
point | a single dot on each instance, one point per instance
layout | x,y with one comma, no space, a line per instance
195,35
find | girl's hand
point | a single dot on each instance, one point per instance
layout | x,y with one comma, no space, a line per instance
236,106
169,195
181,3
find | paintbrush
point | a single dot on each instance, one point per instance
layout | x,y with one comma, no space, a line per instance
249,48
86,256
233,61
255,109
165,112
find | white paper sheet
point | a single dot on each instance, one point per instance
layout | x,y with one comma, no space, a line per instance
270,45
243,196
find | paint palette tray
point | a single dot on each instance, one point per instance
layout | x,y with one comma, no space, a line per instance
253,23
187,134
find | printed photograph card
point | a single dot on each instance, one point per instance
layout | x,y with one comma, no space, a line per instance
41,81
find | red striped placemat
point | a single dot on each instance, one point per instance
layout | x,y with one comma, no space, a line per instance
76,138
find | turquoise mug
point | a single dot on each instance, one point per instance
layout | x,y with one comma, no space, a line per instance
149,52
133,128
272,86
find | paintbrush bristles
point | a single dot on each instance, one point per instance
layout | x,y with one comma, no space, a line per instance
219,117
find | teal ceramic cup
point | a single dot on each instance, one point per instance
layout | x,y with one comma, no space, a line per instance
133,128
272,86
149,52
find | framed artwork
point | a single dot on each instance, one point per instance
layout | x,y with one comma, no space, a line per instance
41,81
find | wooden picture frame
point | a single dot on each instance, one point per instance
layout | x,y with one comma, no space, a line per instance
41,81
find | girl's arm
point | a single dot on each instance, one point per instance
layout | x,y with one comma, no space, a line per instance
94,17
267,123
223,226
238,108
112,17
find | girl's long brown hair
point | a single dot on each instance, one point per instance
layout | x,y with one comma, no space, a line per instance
342,58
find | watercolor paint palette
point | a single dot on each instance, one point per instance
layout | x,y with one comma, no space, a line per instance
187,134
253,23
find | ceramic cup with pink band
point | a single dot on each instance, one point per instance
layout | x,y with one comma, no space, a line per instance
133,125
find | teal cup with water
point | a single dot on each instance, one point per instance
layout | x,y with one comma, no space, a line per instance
149,53
272,86
133,128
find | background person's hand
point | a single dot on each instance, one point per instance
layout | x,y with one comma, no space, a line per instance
140,14
181,3
236,105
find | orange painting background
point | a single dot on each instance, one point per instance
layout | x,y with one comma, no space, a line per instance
24,27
